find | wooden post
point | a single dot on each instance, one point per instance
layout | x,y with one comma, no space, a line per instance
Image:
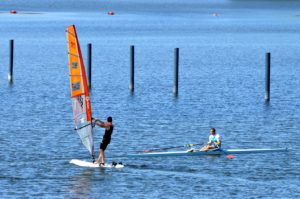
131,84
268,76
89,63
176,71
11,61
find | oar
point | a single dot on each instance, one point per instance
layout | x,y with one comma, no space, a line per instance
173,147
229,156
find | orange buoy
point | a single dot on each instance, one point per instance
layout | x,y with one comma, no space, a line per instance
110,13
13,12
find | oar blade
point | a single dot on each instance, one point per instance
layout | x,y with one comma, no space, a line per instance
230,156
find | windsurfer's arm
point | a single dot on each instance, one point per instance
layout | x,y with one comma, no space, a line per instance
106,125
97,122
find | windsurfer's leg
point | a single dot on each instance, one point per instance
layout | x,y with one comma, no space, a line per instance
99,158
102,156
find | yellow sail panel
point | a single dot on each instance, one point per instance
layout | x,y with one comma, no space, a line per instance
81,104
76,80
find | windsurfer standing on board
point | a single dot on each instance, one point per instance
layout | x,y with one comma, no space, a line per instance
109,127
214,141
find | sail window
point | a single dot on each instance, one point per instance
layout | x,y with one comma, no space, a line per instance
76,86
74,65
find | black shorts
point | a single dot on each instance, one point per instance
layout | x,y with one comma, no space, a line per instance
103,145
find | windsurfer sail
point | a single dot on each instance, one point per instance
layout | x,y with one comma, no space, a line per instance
80,96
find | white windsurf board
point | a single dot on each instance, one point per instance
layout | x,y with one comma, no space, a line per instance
83,163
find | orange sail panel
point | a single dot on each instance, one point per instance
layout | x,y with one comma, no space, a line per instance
80,96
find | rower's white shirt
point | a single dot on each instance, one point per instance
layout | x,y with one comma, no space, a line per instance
214,138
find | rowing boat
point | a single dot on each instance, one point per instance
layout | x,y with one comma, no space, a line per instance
196,152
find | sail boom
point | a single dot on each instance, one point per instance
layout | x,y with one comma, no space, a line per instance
83,126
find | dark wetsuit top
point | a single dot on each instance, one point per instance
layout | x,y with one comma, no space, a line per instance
107,135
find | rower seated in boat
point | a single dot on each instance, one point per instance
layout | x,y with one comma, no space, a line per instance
214,141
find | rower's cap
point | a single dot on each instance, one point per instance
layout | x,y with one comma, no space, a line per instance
109,119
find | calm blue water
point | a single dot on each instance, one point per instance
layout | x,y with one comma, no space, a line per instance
221,85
